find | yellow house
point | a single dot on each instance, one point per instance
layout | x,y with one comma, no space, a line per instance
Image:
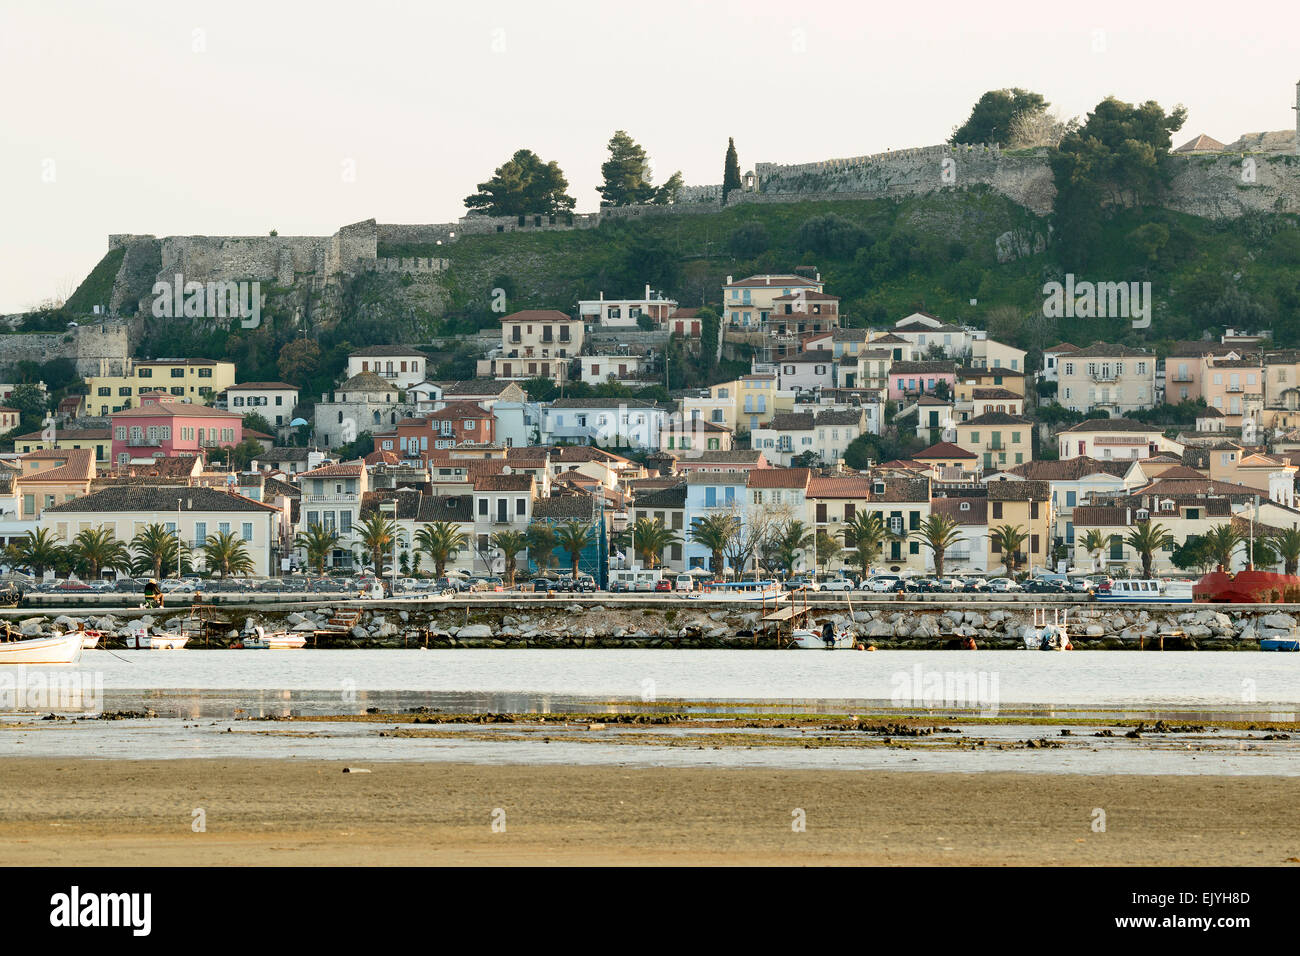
969,379
195,380
1026,505
100,440
747,403
997,438
49,478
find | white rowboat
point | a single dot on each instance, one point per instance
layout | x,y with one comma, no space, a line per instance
55,649
260,640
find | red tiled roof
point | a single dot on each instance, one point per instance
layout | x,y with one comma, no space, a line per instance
944,450
779,477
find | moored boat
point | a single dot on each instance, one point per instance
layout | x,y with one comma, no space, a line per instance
52,649
143,640
1248,587
261,640
818,640
1049,633
1147,591
1279,644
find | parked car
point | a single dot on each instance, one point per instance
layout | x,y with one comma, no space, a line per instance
663,584
974,585
947,585
803,581
838,584
586,583
1045,586
883,584
1004,586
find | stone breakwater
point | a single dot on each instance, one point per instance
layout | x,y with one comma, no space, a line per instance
572,624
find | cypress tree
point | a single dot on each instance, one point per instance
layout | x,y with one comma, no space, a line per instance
730,170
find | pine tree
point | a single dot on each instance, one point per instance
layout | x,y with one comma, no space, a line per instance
626,173
730,170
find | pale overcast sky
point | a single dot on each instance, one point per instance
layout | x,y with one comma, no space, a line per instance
232,117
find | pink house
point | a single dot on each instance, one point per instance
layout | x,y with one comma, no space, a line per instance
163,428
914,379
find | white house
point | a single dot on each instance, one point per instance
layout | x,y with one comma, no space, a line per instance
806,371
331,498
925,331
197,511
274,401
1114,438
607,421
397,364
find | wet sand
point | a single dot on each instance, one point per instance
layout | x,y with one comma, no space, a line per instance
98,812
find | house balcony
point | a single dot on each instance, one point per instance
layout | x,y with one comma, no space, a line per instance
1101,376
1234,388
1182,378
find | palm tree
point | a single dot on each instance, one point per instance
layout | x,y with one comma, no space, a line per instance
1287,545
39,550
649,538
319,545
572,537
441,541
1221,541
938,533
1146,539
227,553
541,544
510,543
154,549
715,532
376,532
98,548
1094,542
788,541
867,532
1007,539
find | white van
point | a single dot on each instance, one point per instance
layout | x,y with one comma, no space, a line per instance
684,582
640,579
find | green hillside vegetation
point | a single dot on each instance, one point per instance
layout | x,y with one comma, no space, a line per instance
97,287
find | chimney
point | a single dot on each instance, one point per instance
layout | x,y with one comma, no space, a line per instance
1128,516
647,291
728,280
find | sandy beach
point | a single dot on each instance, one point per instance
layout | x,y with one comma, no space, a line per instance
97,812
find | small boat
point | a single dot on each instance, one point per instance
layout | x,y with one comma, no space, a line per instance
56,648
813,640
1147,591
1048,634
142,640
260,640
1279,644
741,591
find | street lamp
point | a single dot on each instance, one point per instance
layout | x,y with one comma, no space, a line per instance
178,539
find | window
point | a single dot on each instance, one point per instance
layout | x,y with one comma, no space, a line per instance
178,373
248,531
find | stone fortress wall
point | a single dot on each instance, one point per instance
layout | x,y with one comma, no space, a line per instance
1215,186
100,348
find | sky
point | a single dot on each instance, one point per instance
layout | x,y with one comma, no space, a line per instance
236,118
